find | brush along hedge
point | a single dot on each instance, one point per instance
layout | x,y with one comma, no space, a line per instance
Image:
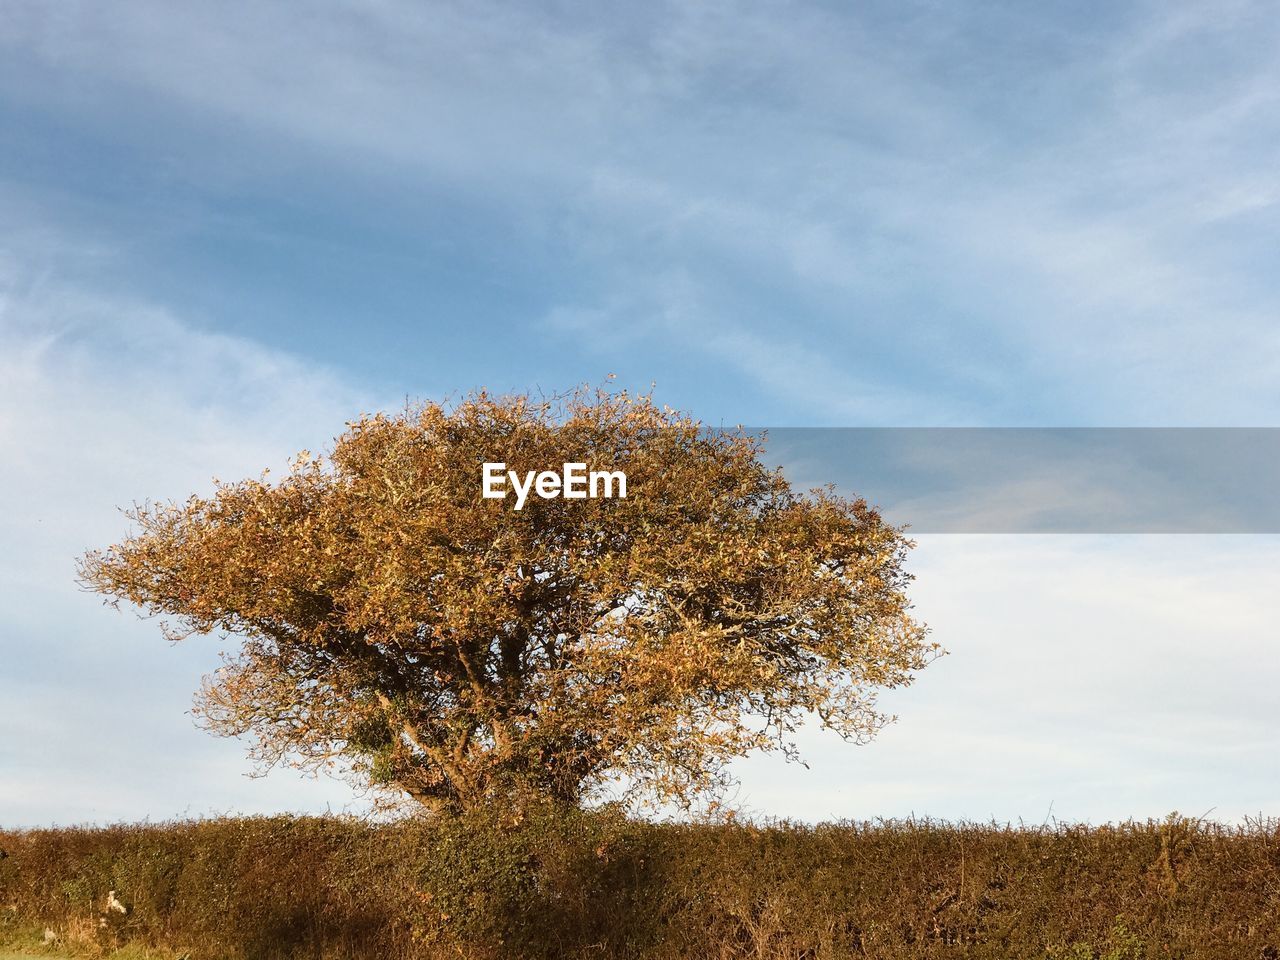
550,882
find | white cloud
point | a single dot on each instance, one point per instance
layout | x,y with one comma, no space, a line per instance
1100,677
944,199
950,226
103,402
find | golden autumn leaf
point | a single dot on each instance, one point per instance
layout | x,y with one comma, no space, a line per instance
456,649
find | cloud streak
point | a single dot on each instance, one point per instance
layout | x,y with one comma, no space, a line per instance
226,229
1090,678
1008,219
103,402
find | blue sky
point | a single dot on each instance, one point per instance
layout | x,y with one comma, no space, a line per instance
225,229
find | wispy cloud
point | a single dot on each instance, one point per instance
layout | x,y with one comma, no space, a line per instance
1010,218
1092,678
784,212
105,401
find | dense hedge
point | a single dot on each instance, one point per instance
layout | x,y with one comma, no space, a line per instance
569,884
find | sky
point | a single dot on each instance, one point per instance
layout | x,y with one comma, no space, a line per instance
227,229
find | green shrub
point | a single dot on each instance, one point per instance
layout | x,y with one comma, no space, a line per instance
548,882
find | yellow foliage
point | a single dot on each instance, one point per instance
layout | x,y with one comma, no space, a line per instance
450,647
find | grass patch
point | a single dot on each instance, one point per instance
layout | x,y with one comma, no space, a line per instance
28,943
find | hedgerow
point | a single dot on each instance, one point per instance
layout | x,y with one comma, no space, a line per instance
550,882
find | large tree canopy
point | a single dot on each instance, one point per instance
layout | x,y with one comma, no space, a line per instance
395,623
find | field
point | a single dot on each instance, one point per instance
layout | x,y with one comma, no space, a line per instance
552,884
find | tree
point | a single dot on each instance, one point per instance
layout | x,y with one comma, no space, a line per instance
394,623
